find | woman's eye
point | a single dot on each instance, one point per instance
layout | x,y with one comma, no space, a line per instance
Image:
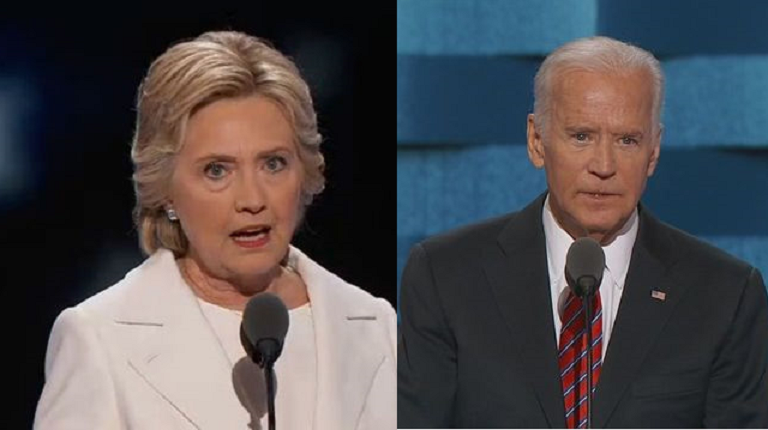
275,163
215,170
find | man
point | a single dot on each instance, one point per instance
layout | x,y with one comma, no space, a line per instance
491,335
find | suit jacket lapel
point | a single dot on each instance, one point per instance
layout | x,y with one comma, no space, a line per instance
640,317
346,331
174,350
517,271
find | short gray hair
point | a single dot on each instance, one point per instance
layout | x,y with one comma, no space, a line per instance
595,54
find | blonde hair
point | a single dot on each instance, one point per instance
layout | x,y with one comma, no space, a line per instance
190,75
595,54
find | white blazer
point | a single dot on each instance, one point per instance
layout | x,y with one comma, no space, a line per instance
139,355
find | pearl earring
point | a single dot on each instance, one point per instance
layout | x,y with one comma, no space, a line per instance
171,214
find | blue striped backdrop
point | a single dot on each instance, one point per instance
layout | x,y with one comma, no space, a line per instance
464,86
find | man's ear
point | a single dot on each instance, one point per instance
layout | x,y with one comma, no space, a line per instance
535,144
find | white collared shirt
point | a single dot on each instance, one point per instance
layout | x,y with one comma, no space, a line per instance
617,256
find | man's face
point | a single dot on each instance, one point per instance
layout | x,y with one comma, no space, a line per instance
598,147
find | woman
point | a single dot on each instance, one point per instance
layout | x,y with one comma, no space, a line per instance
226,156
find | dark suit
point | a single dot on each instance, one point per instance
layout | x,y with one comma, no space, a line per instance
478,347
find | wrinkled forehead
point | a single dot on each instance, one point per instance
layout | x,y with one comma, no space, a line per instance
602,97
240,126
636,82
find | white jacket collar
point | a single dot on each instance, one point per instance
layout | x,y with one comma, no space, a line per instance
174,350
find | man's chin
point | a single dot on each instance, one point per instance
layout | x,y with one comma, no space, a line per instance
603,231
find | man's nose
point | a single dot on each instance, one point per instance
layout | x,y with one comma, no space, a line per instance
603,162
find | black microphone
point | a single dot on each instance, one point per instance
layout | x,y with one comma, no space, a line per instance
262,332
584,266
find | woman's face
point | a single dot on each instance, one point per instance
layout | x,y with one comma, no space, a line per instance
236,188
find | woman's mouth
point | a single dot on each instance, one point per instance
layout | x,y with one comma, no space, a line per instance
256,237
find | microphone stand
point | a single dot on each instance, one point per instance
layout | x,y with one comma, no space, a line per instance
586,261
267,351
267,318
269,376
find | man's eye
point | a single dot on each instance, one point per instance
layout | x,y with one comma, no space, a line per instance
581,137
626,140
275,164
215,170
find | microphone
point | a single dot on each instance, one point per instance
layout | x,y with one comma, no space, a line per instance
262,332
584,266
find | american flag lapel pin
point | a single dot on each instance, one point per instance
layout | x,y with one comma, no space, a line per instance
659,295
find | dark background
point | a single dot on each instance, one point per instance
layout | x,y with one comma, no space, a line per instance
68,80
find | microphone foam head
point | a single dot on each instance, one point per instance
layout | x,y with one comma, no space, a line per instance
265,317
584,266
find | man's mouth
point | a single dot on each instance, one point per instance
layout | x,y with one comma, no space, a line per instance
599,194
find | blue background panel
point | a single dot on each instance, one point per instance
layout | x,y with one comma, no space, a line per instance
463,99
711,101
705,192
687,27
717,101
712,191
491,27
753,249
444,188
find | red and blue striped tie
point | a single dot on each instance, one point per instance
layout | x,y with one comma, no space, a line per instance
572,357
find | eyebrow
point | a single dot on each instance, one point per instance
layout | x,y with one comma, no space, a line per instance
231,158
572,129
637,134
586,129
